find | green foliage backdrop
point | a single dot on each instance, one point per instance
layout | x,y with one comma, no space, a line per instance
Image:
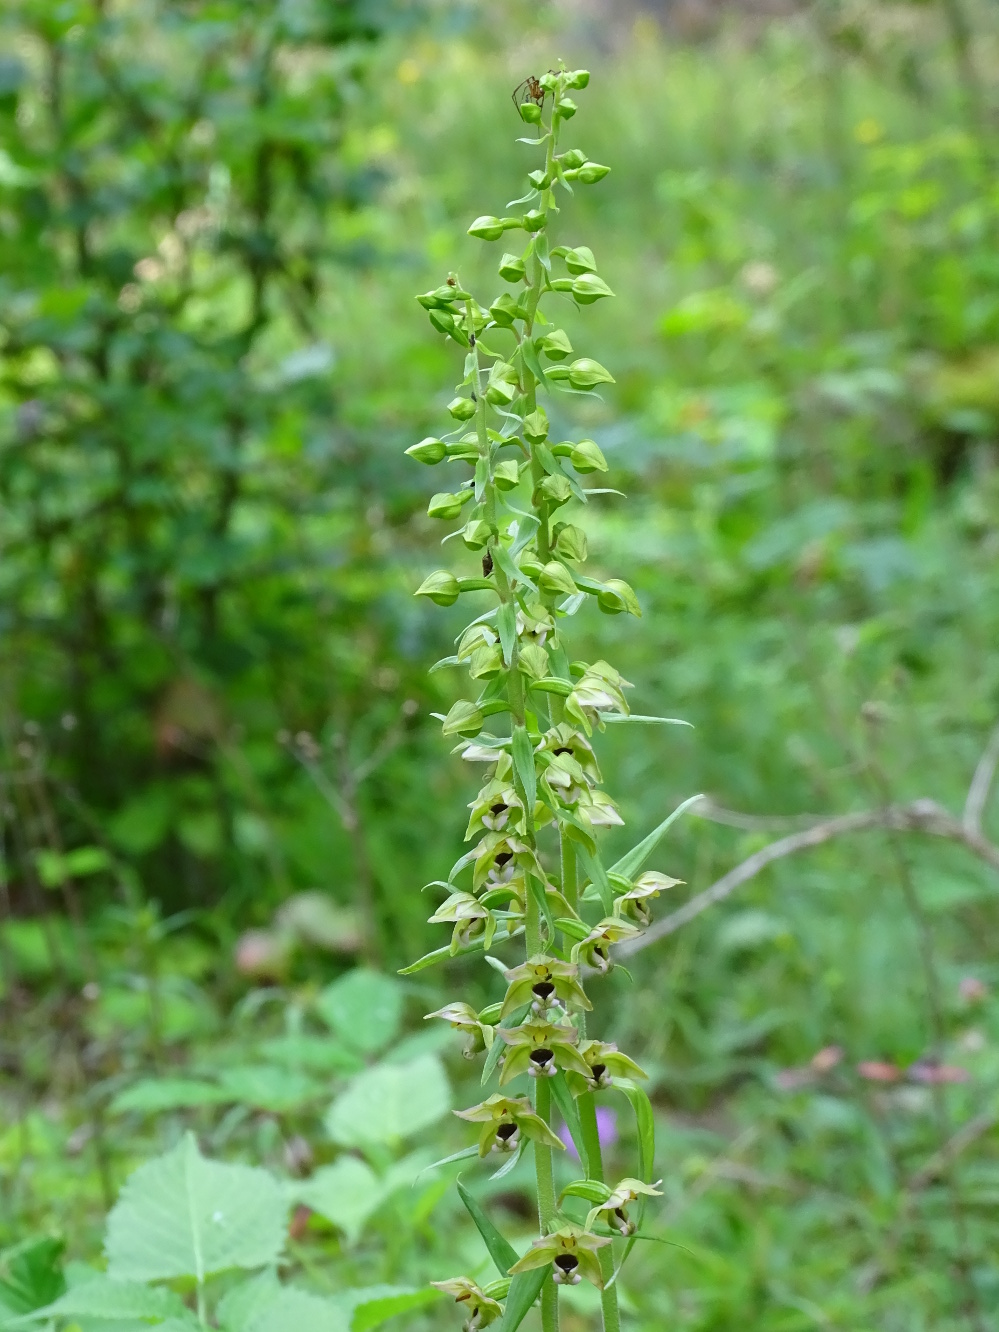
215,717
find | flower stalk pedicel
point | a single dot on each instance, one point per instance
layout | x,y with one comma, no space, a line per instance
533,874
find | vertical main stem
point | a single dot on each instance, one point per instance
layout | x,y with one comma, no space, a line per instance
587,1107
546,1201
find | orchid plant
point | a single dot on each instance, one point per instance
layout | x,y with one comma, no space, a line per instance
534,872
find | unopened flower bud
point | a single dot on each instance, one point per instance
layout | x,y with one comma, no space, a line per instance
578,78
587,457
447,505
507,474
540,179
580,260
567,108
590,172
573,159
476,533
504,310
536,426
486,228
512,269
617,596
442,320
464,718
429,451
441,587
556,345
586,373
462,409
587,288
556,489
535,220
570,542
531,112
532,661
556,578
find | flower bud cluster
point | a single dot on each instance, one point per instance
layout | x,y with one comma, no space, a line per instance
534,712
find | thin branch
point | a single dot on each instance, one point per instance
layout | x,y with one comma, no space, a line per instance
940,1161
981,785
924,816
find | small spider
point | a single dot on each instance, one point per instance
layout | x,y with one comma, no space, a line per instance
487,564
532,90
452,281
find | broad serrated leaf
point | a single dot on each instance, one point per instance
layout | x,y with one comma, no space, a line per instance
364,1008
240,1305
113,1301
266,1087
346,1193
389,1103
153,1096
182,1215
296,1310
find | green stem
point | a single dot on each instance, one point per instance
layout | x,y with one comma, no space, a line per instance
546,1200
587,1106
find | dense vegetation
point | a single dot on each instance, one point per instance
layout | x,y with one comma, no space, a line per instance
223,788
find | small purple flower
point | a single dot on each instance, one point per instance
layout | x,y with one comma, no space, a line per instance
606,1130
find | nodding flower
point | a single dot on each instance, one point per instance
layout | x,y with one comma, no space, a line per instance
463,1017
594,950
632,900
482,1308
545,983
505,1121
540,1049
604,1062
613,1210
572,1252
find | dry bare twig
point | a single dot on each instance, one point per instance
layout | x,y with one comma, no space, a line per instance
920,816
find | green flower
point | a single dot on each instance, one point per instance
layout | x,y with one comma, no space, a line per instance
496,808
469,917
604,1061
500,859
482,1308
506,1120
601,689
463,1017
542,981
594,950
634,898
613,1212
599,809
540,1049
535,624
572,1250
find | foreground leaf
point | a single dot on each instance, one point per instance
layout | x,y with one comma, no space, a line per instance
181,1215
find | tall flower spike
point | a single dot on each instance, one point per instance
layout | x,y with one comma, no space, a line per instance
514,494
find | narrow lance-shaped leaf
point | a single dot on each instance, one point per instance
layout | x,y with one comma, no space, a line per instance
630,865
501,1251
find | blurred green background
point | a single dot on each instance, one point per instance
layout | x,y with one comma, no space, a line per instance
221,784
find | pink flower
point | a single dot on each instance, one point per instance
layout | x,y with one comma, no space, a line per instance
606,1130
